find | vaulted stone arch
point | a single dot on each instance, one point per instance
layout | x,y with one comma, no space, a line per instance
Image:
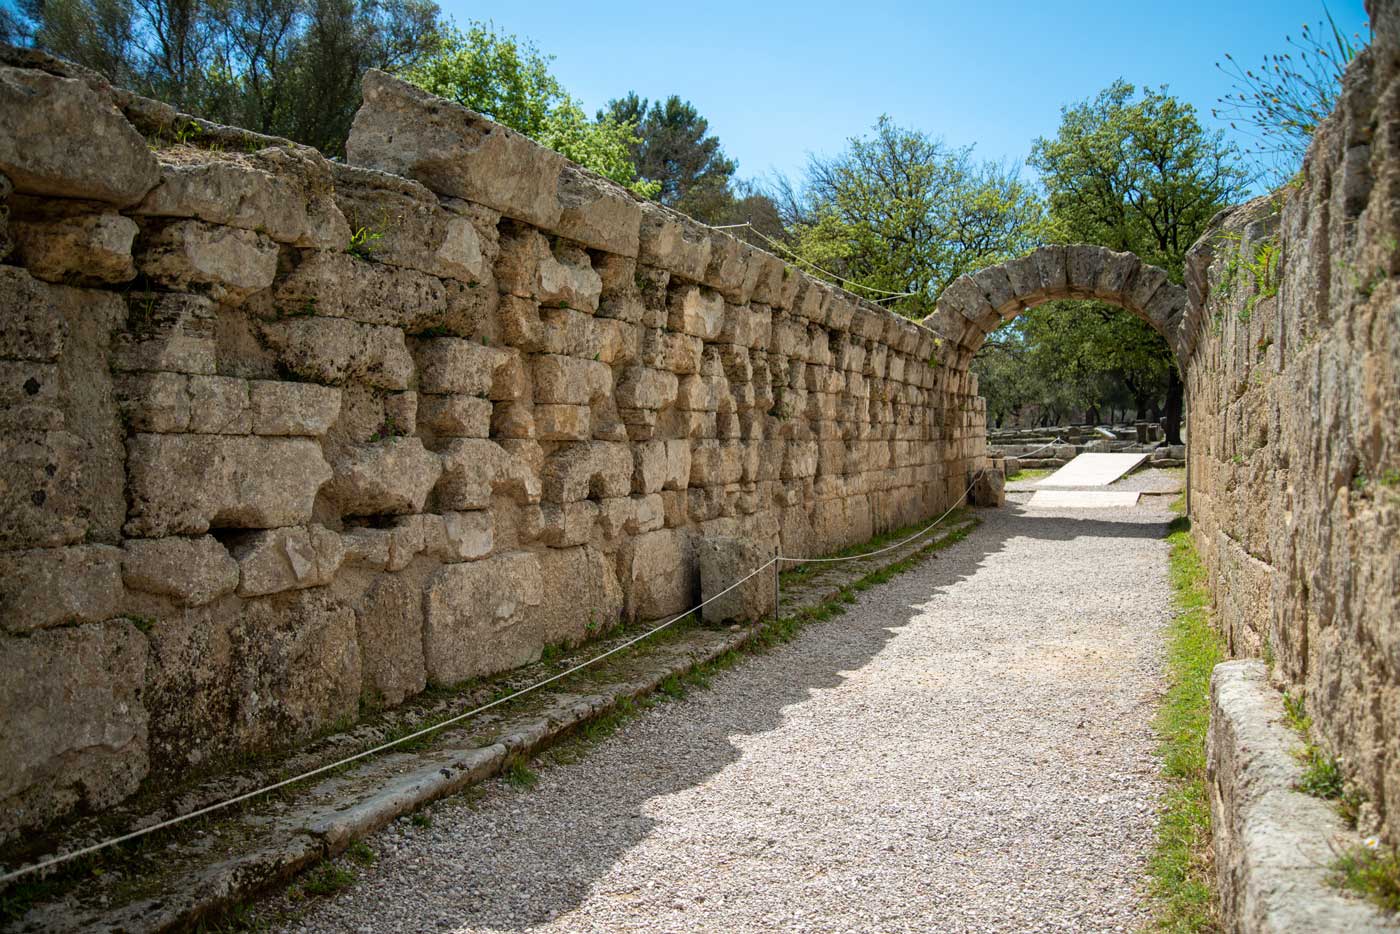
977,304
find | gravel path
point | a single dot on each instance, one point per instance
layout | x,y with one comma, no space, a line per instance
967,749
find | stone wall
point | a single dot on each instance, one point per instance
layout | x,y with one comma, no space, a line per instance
285,439
1294,426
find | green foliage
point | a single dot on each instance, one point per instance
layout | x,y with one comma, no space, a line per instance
282,67
519,775
900,211
1372,871
421,819
327,879
1180,870
1281,102
674,147
362,242
361,852
508,79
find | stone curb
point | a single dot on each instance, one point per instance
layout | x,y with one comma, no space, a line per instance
1273,845
345,807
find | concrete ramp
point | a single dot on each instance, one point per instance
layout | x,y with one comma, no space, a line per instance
1082,499
1088,470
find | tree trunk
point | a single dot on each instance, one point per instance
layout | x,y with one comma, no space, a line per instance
1174,396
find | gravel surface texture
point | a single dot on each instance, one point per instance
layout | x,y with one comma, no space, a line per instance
968,748
1143,480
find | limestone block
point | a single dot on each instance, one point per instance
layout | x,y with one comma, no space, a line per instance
414,229
598,213
455,416
591,470
339,285
454,151
292,558
390,477
190,571
75,727
649,466
520,323
715,463
463,536
570,381
47,587
723,562
366,547
566,524
564,276
454,365
335,351
241,193
43,499
673,242
218,405
590,605
514,420
389,630
227,263
40,117
187,484
563,422
1083,262
474,469
698,311
85,248
282,408
266,674
473,614
727,271
659,574
168,331
34,325
155,402
646,388
31,396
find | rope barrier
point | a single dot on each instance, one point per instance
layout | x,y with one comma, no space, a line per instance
777,559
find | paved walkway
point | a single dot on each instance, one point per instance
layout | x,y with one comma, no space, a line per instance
967,749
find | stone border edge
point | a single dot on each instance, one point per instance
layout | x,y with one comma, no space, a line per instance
1274,845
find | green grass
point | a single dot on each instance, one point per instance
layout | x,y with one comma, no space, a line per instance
519,775
1181,871
1030,473
1372,873
1322,773
327,879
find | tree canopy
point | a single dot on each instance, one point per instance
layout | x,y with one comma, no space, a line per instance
900,213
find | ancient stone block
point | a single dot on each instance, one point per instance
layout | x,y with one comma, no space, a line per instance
451,364
47,587
218,405
89,248
389,477
168,331
472,616
334,350
723,563
389,629
43,501
281,408
673,242
569,380
31,397
645,388
566,524
660,574
698,311
190,571
339,285
563,422
453,151
34,326
455,416
475,469
187,484
41,114
592,470
227,263
275,560
598,213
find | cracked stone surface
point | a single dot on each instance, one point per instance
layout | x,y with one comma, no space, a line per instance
968,748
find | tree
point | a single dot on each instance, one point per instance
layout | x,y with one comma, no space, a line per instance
1281,102
284,67
507,79
1135,172
674,147
901,213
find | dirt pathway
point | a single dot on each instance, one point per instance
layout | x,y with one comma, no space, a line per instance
967,749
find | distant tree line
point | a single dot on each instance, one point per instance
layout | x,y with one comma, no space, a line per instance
894,217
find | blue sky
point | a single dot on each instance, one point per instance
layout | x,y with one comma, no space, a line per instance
778,80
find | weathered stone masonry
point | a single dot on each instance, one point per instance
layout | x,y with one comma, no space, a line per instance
1294,431
254,479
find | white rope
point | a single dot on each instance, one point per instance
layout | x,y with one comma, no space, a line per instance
788,250
312,773
320,770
